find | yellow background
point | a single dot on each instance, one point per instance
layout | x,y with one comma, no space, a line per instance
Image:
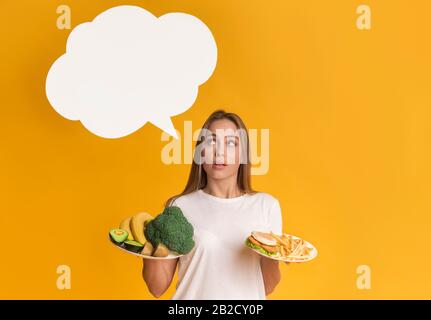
349,119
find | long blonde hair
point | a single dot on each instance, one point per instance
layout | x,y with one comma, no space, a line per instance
198,178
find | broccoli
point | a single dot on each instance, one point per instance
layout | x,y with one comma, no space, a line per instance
172,229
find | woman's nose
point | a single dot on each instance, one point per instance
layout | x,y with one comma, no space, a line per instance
219,149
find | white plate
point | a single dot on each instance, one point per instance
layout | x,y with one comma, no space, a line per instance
171,255
311,256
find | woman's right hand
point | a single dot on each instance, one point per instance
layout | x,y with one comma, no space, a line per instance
158,275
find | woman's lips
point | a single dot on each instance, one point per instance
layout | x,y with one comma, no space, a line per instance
219,165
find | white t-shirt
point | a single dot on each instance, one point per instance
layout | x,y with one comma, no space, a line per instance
220,266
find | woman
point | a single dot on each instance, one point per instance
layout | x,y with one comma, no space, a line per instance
223,208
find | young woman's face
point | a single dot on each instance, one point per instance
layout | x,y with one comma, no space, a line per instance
221,150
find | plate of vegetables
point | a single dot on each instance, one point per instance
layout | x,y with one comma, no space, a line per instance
169,235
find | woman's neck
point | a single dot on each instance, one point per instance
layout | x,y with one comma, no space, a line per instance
222,189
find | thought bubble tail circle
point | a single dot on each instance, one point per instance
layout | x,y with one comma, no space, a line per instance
165,123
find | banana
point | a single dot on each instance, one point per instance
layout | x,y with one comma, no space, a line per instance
161,251
148,249
137,225
125,225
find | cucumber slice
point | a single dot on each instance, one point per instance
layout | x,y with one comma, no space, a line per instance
133,246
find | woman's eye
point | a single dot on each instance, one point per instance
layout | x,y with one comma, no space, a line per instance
210,141
231,143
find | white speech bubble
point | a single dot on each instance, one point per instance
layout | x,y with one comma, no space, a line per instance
127,67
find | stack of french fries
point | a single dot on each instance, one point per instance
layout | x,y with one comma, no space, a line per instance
290,248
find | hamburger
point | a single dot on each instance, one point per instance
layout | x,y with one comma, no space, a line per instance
263,242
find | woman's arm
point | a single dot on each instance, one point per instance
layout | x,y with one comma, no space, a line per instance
158,275
271,274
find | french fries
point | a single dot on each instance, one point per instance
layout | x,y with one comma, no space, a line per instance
290,248
281,241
